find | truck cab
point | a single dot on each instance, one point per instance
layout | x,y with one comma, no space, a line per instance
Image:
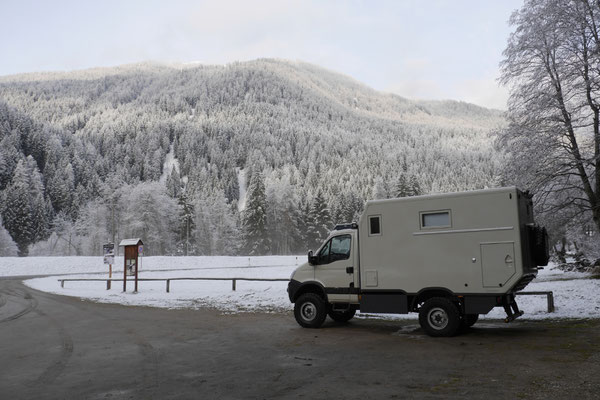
331,273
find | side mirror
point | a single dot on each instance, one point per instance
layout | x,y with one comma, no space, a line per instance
312,260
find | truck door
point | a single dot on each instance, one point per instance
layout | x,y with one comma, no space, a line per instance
335,268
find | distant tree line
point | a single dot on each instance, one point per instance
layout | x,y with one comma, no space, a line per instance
84,156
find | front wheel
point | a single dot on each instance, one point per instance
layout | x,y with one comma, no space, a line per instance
342,316
310,310
439,317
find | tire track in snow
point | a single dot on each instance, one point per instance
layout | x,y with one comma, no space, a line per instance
31,304
150,370
50,373
55,369
150,356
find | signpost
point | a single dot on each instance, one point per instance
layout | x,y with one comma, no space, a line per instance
109,258
133,247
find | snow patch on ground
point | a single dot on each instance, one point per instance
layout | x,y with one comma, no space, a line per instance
576,295
248,296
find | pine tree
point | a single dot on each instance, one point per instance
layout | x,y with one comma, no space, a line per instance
186,225
8,248
415,187
319,221
282,216
173,183
406,187
401,188
256,237
302,225
25,210
379,189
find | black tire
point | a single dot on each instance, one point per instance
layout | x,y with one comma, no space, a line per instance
310,310
468,320
540,248
439,317
342,316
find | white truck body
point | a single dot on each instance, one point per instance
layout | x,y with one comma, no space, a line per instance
475,249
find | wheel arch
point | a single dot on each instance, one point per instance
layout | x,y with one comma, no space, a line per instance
310,287
428,293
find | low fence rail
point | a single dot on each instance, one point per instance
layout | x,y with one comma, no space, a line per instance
549,297
168,280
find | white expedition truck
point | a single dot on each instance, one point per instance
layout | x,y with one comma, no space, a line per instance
449,257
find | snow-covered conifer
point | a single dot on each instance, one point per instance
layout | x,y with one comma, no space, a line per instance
8,248
255,229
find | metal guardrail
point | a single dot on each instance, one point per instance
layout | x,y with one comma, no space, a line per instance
168,280
549,297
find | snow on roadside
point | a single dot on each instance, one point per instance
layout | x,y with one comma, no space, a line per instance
28,266
249,296
575,294
574,298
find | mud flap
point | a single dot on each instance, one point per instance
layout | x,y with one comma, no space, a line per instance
511,308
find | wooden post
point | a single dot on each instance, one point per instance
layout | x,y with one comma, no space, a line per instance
233,285
125,272
108,284
62,284
136,272
550,302
168,285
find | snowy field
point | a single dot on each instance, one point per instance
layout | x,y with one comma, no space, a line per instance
575,294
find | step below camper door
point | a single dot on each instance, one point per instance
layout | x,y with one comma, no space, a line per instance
497,263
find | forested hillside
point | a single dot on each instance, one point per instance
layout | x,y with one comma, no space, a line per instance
165,152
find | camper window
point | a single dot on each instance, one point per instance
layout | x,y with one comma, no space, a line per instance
436,219
374,225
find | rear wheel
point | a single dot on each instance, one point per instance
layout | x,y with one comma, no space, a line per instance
310,310
342,316
469,320
439,317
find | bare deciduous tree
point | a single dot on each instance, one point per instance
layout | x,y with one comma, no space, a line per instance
552,68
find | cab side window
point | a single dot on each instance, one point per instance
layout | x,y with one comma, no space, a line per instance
336,249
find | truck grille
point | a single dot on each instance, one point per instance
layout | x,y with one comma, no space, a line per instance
523,282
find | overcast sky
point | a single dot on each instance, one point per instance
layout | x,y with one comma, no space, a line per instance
434,49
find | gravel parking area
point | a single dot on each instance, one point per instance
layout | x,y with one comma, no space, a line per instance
59,347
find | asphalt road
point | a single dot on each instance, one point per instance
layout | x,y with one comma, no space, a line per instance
55,347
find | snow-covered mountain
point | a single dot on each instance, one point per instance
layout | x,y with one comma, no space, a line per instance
305,129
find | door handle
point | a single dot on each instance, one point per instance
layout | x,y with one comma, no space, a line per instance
349,270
